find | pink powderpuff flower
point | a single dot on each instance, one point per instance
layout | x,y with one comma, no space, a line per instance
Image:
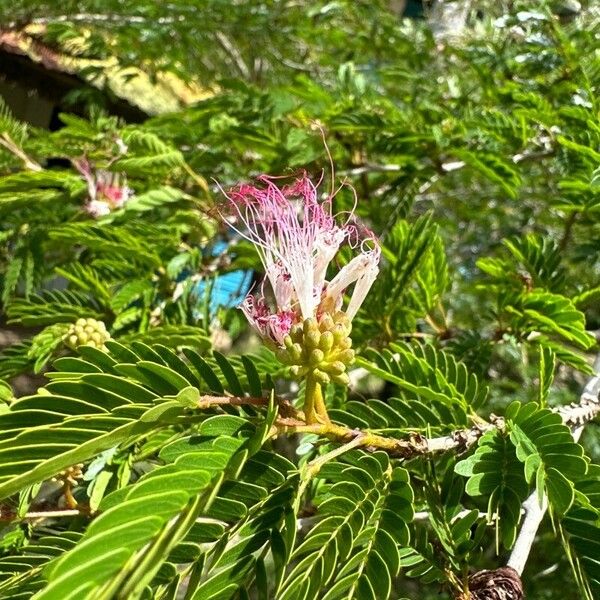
297,237
107,191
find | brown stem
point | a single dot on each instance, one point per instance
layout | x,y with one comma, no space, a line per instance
292,421
568,230
68,494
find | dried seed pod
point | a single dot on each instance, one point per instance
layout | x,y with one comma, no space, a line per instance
500,584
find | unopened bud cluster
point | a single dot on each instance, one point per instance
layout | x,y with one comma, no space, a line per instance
70,475
321,349
87,332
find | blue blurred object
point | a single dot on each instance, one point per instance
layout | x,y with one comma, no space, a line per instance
226,290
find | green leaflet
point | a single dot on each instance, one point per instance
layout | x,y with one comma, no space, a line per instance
353,548
431,375
506,487
546,448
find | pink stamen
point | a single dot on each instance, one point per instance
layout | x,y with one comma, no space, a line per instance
105,190
297,238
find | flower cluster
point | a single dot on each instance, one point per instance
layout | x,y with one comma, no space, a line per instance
321,350
87,332
297,238
107,191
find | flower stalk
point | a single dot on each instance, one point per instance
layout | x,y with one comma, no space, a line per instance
315,410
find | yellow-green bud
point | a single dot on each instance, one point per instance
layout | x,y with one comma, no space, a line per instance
342,379
326,323
283,356
296,352
87,332
346,356
326,341
336,367
298,370
297,333
312,339
316,357
310,324
345,343
339,333
321,349
321,376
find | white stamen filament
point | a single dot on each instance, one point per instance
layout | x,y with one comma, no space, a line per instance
297,238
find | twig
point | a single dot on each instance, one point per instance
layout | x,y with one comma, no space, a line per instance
99,18
11,146
292,421
285,407
416,445
47,514
534,513
233,53
313,467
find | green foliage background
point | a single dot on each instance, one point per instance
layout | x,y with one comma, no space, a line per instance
474,157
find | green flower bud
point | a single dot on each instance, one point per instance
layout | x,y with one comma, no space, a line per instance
346,357
296,352
312,339
319,349
345,343
283,356
298,371
339,333
336,368
326,323
310,324
321,376
342,379
87,332
326,341
297,333
316,357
